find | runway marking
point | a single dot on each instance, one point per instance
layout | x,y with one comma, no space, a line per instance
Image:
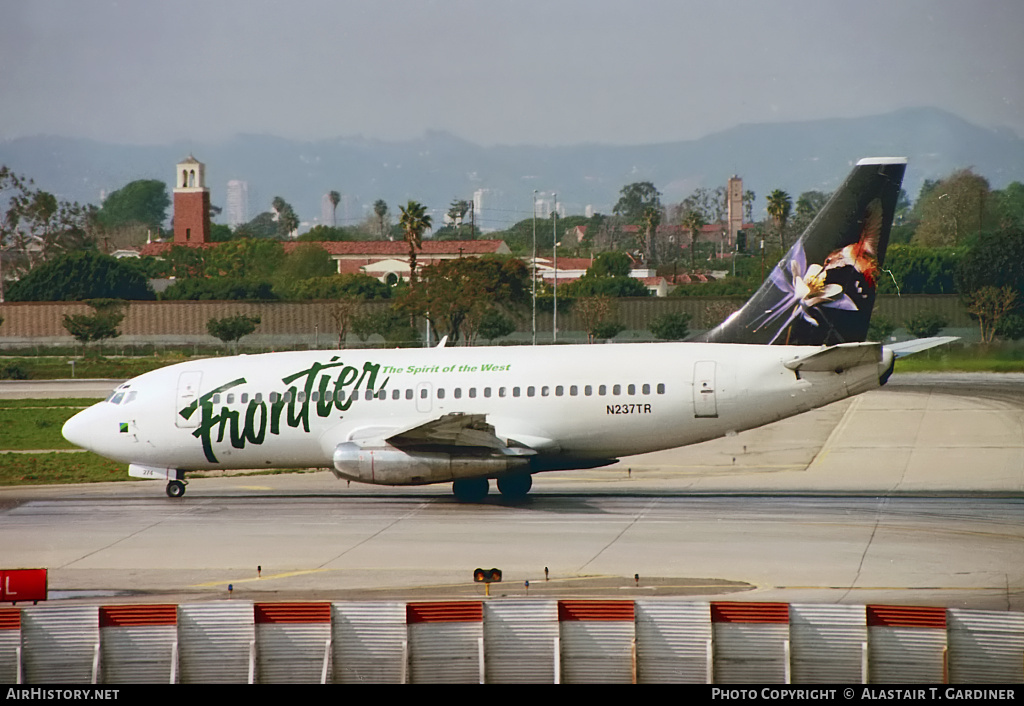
283,575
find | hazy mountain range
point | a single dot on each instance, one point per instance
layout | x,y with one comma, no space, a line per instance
439,167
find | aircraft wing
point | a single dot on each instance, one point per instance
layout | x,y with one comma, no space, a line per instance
905,348
837,358
455,429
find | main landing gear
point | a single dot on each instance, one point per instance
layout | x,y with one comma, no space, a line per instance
513,488
175,488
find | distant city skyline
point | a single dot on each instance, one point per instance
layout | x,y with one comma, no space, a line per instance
528,72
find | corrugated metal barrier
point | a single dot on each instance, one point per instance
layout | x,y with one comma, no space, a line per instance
508,641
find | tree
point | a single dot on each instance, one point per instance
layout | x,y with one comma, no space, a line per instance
673,326
380,208
220,289
231,328
779,206
914,269
693,221
335,199
414,222
995,260
36,226
610,264
990,305
306,261
596,316
494,324
287,221
342,313
82,275
245,258
321,233
455,295
607,276
457,211
99,325
954,210
352,285
640,204
262,226
143,201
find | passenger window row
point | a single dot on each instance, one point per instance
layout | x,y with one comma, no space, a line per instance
457,393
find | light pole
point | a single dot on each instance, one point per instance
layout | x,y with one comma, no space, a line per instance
554,262
533,267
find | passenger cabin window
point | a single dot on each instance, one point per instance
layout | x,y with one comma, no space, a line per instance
631,390
396,394
646,389
531,391
573,390
545,391
559,390
515,392
408,393
458,393
661,388
602,390
440,393
472,392
588,390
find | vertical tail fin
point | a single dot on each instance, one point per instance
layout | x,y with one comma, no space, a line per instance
823,290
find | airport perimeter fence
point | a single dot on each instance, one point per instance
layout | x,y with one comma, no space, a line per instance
509,641
310,324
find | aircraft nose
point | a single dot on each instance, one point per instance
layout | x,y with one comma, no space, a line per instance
78,430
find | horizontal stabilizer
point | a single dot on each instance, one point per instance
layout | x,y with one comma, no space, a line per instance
838,358
905,348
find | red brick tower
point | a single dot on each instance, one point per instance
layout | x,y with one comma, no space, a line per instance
191,203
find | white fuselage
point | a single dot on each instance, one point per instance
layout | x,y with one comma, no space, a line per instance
292,410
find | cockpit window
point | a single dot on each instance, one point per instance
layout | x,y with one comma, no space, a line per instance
131,396
116,399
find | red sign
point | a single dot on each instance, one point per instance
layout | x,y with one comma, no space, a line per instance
22,585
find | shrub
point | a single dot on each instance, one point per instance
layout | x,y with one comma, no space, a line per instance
671,327
925,324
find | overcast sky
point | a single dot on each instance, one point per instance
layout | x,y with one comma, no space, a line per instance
495,72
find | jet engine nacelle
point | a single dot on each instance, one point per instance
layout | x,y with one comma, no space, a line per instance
387,465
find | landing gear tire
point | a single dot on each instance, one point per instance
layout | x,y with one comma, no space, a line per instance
471,490
175,489
515,487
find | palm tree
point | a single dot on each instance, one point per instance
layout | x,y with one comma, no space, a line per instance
380,207
693,221
335,198
650,219
414,222
779,207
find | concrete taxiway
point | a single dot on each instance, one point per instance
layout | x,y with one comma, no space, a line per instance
910,494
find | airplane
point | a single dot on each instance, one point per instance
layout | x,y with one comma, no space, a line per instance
469,415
